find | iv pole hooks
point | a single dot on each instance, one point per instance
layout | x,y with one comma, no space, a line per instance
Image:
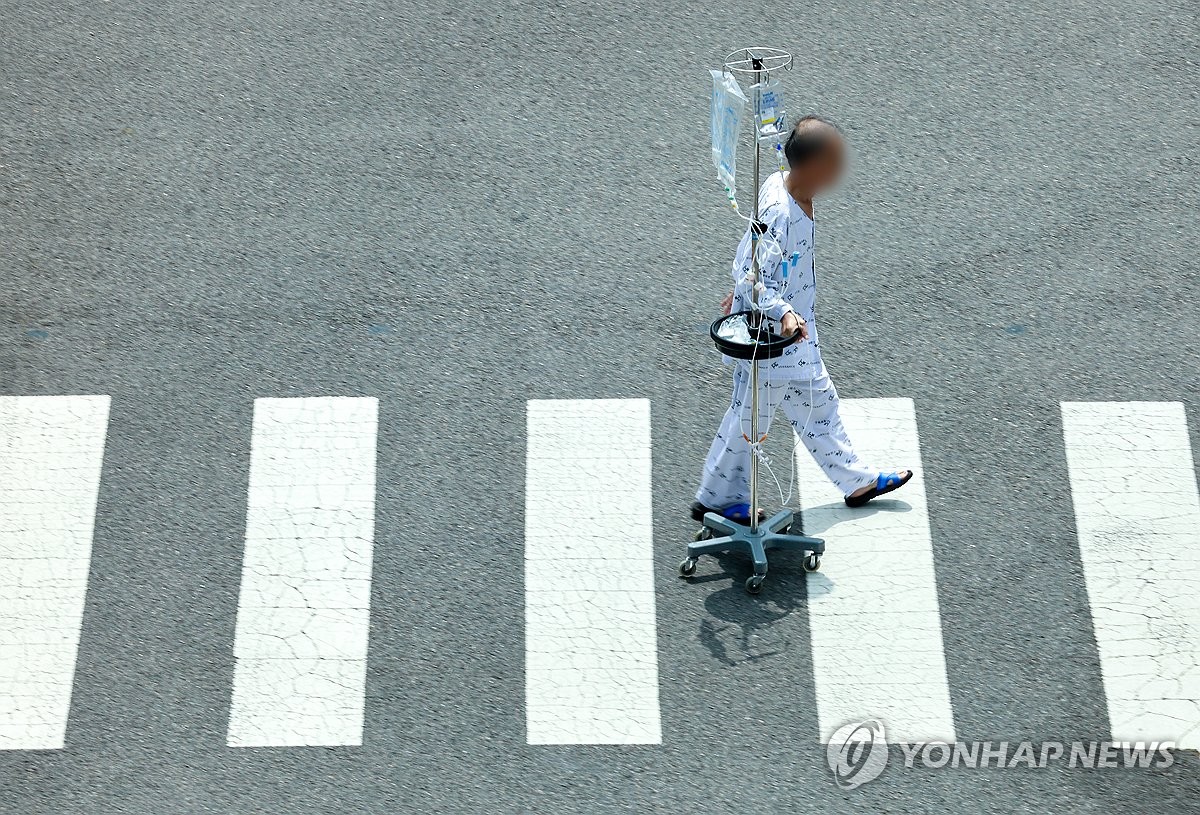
744,60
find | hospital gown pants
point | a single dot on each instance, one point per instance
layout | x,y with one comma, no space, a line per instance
811,406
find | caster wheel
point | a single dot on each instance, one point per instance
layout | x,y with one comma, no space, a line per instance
703,535
754,583
688,567
812,563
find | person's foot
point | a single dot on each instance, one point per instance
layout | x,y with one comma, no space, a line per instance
734,512
885,483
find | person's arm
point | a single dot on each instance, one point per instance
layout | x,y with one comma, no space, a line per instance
771,282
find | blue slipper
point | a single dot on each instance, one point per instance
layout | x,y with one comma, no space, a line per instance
734,512
883,485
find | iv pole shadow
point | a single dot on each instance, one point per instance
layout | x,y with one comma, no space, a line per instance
790,586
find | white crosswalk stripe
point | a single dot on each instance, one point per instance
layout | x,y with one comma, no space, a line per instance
304,609
51,453
1137,511
876,627
591,650
591,656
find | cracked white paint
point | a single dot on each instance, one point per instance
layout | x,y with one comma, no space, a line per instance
873,607
591,652
1137,512
304,610
51,453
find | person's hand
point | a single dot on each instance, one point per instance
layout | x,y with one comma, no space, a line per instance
727,303
792,324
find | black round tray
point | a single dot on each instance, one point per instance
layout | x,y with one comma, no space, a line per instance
764,343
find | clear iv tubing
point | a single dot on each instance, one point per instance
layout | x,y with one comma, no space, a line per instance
733,198
756,448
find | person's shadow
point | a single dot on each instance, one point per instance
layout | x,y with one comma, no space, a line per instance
738,625
819,520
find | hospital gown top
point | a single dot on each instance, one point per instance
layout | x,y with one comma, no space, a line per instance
787,272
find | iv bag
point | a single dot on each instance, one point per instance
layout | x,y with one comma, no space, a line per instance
770,115
728,109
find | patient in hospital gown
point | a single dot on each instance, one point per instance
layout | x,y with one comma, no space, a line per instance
785,292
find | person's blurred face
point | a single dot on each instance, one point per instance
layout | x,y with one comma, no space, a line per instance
826,168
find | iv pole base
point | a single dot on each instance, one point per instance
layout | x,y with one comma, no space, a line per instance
719,534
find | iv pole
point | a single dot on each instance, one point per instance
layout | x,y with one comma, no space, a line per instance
755,539
757,65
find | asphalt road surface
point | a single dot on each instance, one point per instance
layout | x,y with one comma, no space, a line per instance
456,207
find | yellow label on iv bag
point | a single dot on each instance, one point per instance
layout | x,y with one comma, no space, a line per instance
770,113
